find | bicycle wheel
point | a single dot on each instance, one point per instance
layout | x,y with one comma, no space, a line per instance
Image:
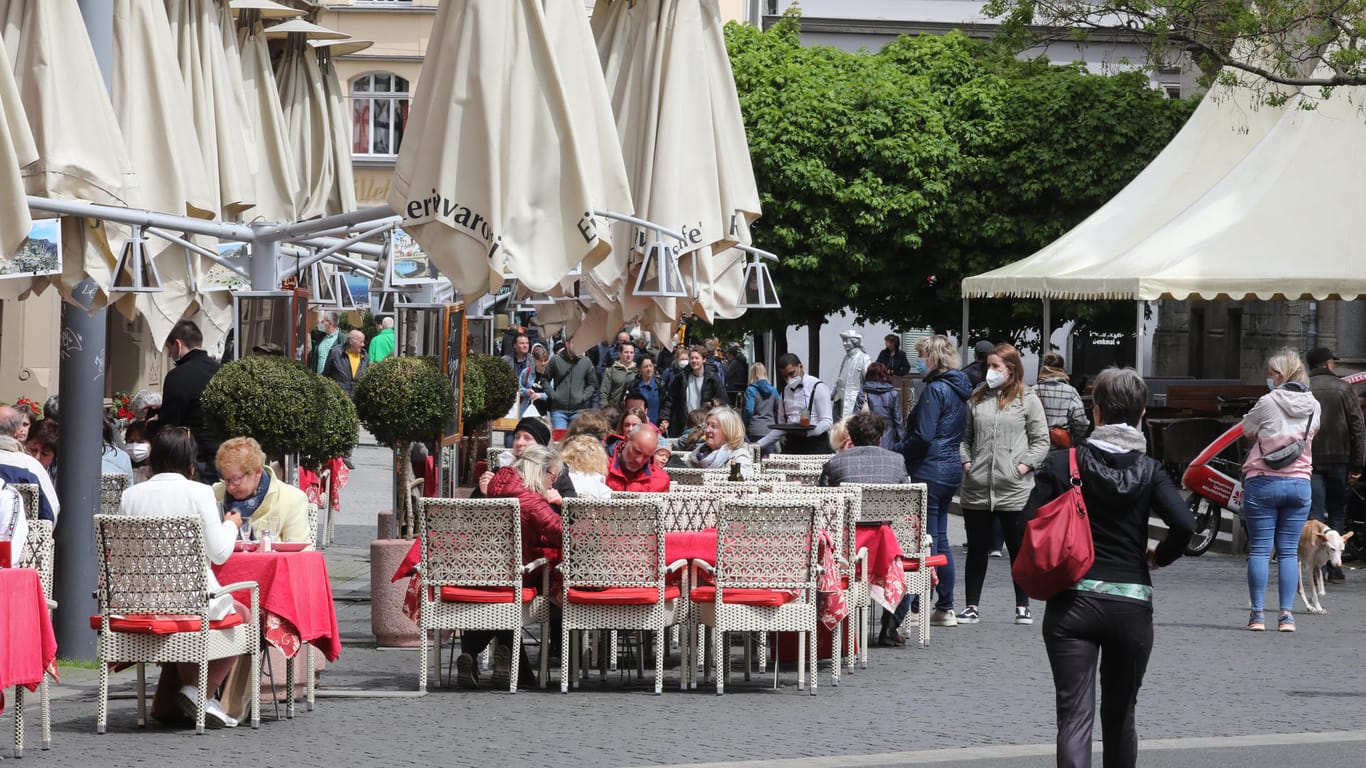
1208,517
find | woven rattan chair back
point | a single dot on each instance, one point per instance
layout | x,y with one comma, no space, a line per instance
761,482
39,552
840,511
151,564
782,462
903,504
313,525
694,476
695,507
112,486
29,493
613,542
470,542
803,475
767,542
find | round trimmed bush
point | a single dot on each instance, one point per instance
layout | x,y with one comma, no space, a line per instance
472,396
404,398
269,398
500,387
337,428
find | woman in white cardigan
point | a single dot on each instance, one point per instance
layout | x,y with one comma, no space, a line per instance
172,490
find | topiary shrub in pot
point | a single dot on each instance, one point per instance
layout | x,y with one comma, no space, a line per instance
283,405
399,400
499,384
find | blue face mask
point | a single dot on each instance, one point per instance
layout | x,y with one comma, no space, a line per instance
1270,383
919,366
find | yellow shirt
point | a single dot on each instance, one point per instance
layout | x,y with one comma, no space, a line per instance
354,357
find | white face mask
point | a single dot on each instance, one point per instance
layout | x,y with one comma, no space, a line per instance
995,378
138,452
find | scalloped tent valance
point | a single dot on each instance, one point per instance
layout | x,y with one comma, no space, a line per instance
1248,201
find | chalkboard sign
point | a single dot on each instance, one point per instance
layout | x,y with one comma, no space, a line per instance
453,364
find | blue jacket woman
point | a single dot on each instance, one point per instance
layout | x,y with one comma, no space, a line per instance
883,399
934,430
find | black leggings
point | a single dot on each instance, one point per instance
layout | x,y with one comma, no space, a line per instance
978,523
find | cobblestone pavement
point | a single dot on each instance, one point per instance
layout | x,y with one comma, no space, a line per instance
979,694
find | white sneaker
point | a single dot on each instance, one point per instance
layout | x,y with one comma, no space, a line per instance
1022,615
996,553
214,711
944,618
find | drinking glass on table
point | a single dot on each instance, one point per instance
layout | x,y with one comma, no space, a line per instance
245,530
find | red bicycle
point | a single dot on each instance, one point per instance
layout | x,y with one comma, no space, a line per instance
1215,482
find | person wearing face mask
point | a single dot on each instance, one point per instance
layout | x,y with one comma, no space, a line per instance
802,395
689,390
893,358
934,430
1005,439
327,326
182,390
1277,492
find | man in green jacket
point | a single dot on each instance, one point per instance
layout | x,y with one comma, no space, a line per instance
382,345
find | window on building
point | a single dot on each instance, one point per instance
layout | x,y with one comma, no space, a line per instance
379,113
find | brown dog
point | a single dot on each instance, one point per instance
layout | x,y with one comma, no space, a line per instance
1319,546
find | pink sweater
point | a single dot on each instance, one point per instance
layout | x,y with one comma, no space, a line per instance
1281,417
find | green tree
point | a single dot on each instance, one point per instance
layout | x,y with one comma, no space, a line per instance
1271,41
887,177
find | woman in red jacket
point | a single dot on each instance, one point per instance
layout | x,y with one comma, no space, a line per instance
529,479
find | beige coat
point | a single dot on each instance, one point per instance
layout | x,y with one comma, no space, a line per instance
997,440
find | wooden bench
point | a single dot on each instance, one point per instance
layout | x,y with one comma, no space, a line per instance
1204,398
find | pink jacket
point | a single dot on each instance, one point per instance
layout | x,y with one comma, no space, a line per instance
1281,417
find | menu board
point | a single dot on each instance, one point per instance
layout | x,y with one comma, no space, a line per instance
453,364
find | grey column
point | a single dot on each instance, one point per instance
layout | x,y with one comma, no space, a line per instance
81,415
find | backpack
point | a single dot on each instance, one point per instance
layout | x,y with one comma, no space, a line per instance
1056,550
764,416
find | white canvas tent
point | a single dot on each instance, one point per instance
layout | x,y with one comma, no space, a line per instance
1237,207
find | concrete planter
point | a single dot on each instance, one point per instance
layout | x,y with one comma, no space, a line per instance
390,627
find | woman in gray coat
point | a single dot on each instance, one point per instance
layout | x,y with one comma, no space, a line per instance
1004,441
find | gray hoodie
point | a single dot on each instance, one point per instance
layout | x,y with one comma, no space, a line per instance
997,440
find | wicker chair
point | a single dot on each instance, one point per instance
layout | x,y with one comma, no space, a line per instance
782,462
693,475
615,575
112,486
803,475
472,574
766,557
156,566
846,502
907,507
38,554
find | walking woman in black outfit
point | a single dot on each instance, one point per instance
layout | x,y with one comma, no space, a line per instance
1106,619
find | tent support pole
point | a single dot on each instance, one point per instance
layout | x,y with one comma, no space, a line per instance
963,340
1046,335
1138,339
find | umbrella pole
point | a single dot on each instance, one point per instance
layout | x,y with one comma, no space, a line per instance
963,340
1046,332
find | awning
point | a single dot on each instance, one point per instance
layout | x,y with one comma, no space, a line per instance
16,152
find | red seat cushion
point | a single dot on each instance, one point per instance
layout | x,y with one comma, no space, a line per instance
162,624
622,595
933,561
485,594
763,597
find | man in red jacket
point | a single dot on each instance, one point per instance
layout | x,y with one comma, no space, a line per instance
632,467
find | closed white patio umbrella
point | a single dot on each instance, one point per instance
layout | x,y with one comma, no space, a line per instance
342,196
498,170
679,123
76,135
307,114
277,189
16,152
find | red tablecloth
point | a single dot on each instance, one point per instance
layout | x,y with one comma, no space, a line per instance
27,645
296,598
886,577
701,545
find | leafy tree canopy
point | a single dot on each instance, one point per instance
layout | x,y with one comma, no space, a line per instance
1279,41
887,177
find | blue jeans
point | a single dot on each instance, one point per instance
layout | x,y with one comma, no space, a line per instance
937,526
561,419
1274,509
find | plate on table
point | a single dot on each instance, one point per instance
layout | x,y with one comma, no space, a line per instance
290,546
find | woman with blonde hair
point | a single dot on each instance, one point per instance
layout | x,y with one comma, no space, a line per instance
761,404
586,461
1276,489
1005,439
723,441
246,485
934,430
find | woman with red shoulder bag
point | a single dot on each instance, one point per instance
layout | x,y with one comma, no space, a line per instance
1106,619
